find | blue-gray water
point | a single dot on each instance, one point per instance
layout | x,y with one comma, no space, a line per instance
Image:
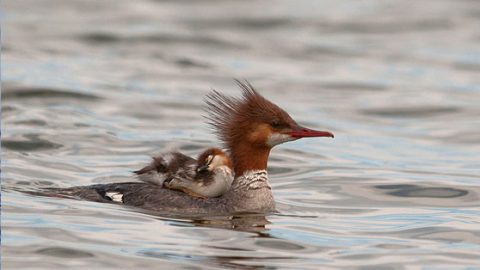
91,88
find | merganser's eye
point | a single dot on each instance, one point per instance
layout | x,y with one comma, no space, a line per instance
276,124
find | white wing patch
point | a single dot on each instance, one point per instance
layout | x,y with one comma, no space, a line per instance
115,196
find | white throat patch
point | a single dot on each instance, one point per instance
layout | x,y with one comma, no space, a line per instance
278,138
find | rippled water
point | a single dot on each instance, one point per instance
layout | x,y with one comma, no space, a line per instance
90,89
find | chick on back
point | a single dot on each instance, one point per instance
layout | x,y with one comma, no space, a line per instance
210,175
214,176
167,166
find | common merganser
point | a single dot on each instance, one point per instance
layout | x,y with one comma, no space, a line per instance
249,127
213,176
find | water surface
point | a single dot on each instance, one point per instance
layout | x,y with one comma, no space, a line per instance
91,89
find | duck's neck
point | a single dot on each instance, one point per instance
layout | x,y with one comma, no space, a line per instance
250,190
246,157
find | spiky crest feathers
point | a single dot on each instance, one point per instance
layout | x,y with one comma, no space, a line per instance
231,116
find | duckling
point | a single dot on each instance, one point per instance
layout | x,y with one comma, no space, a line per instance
166,166
214,176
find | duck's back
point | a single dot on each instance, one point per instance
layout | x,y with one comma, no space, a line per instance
247,194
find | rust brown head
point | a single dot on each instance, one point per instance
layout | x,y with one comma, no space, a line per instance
251,125
212,158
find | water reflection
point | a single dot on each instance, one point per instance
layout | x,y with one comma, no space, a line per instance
413,194
414,112
254,223
245,223
33,143
415,191
12,92
63,252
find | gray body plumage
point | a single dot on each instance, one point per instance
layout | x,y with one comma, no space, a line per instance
250,192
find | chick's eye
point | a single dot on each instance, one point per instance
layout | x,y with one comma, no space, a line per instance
208,159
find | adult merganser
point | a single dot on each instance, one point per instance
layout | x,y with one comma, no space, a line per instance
249,127
213,176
